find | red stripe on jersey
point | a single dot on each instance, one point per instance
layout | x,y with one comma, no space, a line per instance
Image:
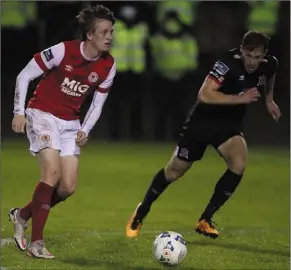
39,61
214,79
103,90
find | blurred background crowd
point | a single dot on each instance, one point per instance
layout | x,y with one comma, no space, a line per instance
163,51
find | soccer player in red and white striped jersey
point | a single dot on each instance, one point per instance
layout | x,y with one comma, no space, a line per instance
70,71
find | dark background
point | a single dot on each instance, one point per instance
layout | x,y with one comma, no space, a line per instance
218,26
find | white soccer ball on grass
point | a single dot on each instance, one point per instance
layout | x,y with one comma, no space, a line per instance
169,248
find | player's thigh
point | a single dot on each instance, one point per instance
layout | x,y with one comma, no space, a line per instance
235,152
68,138
49,161
69,176
188,150
193,142
42,131
176,168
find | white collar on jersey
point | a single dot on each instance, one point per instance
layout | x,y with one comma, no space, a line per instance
83,54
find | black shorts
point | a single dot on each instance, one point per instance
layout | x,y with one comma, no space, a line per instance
193,142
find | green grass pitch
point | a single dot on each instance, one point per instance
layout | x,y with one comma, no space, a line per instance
87,231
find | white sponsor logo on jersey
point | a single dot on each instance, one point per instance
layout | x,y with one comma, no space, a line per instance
74,88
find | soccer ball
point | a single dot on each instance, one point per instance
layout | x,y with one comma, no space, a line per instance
169,248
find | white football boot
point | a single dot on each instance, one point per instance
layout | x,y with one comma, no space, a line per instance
37,250
19,237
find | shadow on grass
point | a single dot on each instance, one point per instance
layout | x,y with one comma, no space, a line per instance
240,247
106,264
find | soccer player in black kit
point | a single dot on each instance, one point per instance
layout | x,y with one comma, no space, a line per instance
239,77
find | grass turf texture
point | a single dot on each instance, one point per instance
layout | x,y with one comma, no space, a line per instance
87,231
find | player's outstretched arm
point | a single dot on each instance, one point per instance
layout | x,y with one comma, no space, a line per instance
209,93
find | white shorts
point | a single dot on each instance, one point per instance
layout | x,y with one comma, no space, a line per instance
44,130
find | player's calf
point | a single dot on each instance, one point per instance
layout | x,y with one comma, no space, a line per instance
235,152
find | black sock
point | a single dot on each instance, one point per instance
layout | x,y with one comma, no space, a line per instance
224,188
157,187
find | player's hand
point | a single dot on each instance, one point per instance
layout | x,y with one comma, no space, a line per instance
81,138
249,96
274,110
19,123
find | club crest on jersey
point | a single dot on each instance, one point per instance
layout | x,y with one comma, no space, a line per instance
184,153
262,80
93,77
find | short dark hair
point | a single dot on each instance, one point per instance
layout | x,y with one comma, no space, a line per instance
254,39
87,17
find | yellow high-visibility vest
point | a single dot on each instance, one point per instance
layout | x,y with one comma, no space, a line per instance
128,47
17,13
172,57
184,8
263,16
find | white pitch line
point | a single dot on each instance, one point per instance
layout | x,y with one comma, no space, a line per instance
8,241
5,242
154,233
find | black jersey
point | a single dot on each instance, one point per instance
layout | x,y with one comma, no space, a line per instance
229,72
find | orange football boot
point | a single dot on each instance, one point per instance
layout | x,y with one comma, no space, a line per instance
206,228
133,227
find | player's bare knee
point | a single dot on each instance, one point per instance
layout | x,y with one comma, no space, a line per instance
237,164
51,174
172,175
176,168
67,186
65,193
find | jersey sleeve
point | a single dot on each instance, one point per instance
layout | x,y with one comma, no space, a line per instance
94,111
272,66
105,86
29,73
50,57
220,71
